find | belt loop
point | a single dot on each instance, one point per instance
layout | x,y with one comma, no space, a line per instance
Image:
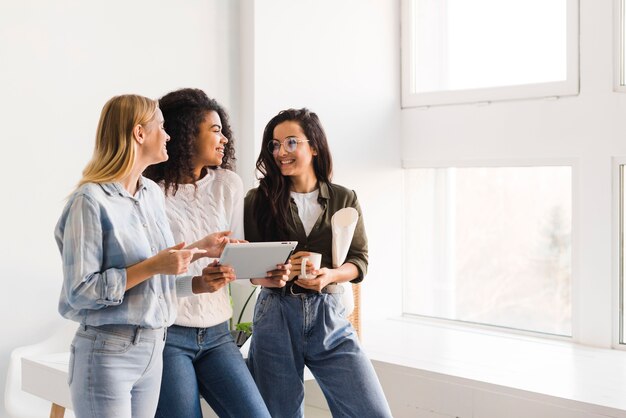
283,290
164,333
84,327
137,335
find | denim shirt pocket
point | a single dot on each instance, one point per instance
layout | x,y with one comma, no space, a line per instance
165,232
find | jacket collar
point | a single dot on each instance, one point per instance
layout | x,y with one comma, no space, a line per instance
324,193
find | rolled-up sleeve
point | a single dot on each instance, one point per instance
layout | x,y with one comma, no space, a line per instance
357,254
86,285
184,286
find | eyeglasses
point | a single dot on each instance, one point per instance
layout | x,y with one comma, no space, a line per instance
290,144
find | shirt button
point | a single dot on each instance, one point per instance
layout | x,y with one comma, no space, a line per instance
136,202
145,225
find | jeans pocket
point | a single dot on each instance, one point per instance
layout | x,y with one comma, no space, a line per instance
108,344
262,304
335,304
70,370
156,353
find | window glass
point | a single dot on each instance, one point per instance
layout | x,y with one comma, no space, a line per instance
622,43
471,47
490,245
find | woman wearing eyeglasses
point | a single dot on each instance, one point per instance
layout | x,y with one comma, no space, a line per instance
302,322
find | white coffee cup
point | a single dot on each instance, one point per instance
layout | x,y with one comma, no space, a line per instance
315,259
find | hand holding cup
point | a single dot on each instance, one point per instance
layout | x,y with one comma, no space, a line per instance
315,260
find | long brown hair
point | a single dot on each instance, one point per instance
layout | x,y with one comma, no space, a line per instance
271,204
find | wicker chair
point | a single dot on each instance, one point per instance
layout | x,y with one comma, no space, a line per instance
355,316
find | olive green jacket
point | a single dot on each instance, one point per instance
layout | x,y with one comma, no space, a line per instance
331,197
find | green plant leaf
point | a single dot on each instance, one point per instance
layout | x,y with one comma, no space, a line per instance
245,327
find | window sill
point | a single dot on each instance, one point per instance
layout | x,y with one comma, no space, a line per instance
560,371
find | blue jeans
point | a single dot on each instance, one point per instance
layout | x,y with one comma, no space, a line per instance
115,371
206,361
293,330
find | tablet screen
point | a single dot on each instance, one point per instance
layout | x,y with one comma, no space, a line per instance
254,259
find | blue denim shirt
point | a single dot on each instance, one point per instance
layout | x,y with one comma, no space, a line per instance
102,231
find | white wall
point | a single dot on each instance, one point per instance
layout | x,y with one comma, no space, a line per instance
341,60
587,130
59,62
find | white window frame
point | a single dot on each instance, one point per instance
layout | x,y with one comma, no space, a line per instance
575,284
619,74
619,271
569,87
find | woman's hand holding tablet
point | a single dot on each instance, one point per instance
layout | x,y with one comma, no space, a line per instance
259,259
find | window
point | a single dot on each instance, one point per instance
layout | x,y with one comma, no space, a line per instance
457,51
490,245
622,254
620,42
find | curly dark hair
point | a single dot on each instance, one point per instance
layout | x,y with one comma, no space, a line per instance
271,204
183,111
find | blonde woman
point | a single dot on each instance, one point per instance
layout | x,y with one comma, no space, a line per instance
120,265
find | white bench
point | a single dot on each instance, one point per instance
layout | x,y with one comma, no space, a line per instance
45,376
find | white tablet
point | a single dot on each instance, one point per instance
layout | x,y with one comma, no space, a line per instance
254,259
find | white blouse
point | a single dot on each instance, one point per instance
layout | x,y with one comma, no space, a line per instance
309,209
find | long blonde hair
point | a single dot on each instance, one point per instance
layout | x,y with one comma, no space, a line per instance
114,152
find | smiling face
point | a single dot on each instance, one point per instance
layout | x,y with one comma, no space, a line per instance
210,143
155,139
298,163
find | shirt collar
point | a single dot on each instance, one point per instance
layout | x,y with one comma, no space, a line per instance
117,188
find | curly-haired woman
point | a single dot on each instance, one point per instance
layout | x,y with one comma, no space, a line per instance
203,194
